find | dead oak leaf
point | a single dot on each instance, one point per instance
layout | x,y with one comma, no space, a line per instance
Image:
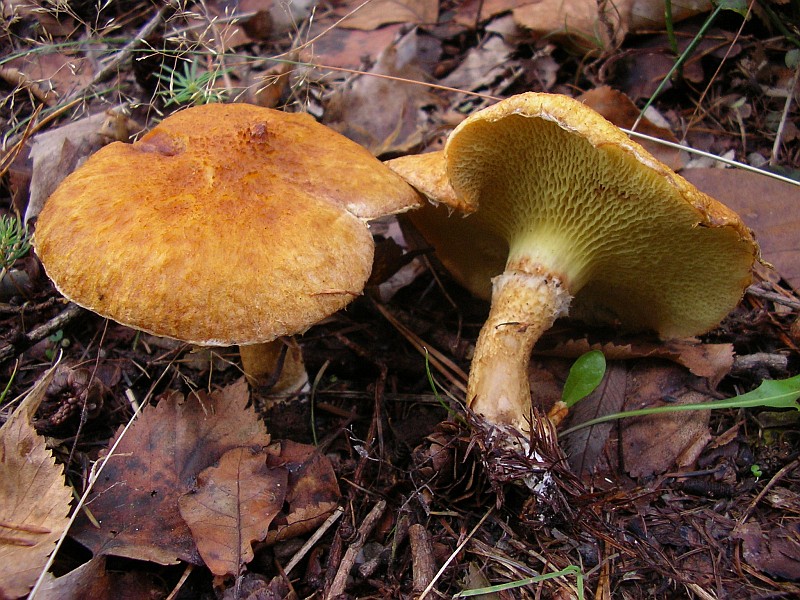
384,12
136,496
313,490
232,507
34,501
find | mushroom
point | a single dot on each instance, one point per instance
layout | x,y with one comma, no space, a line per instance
226,224
570,215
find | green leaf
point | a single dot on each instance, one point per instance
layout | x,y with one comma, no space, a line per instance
584,377
737,6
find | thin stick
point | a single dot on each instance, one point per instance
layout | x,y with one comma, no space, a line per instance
349,559
455,553
776,146
338,512
123,54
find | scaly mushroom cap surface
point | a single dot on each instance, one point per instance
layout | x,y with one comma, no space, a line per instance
226,224
555,184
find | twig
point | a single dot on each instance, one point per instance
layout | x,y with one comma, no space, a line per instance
42,331
123,54
349,559
455,553
776,146
338,512
421,557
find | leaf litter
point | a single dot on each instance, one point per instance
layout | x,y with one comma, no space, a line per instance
683,487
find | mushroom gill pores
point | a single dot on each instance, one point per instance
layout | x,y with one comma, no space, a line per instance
567,214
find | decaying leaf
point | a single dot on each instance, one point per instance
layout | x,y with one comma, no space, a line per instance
136,497
585,446
482,66
622,112
775,551
384,12
711,361
232,506
593,24
768,206
34,501
383,114
655,443
92,580
313,490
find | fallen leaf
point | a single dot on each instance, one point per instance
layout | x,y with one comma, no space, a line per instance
767,206
232,507
313,490
384,12
654,443
622,112
585,446
136,496
347,48
34,501
482,66
775,552
385,116
92,580
711,361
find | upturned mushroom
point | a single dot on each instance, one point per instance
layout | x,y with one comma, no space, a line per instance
569,215
227,224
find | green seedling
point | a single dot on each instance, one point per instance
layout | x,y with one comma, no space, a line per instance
191,86
756,470
15,242
57,341
570,570
782,393
584,377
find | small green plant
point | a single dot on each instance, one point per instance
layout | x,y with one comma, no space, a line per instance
190,86
584,377
756,471
14,242
56,342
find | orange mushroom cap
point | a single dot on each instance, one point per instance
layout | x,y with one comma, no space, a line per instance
225,224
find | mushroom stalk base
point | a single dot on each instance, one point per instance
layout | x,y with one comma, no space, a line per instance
524,306
278,365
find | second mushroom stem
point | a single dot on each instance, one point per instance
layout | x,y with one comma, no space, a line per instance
524,306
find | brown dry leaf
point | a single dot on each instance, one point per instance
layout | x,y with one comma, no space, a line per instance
768,206
379,113
585,446
385,12
91,580
313,491
34,501
136,497
54,75
775,552
58,152
579,21
468,12
711,361
348,48
622,112
653,444
482,66
232,507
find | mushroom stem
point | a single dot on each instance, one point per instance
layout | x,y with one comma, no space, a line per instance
524,305
277,364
